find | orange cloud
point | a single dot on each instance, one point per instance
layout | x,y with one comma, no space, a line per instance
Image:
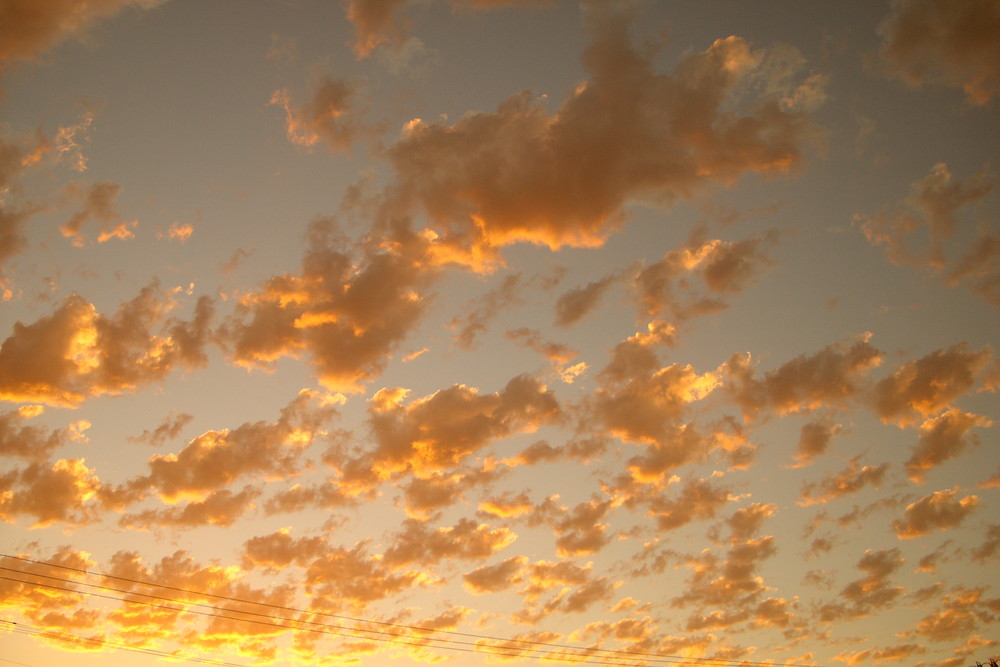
872,592
830,377
347,314
851,480
942,438
939,510
329,117
952,43
698,500
50,493
931,213
522,175
76,352
31,28
220,508
417,545
495,578
927,385
27,441
435,433
98,205
814,438
217,458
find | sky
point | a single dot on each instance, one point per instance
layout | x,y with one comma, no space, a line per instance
384,332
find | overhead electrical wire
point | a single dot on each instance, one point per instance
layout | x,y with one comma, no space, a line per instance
548,650
35,631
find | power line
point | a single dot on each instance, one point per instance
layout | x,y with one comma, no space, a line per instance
35,631
512,652
530,646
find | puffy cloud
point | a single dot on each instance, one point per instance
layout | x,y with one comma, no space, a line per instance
953,43
28,441
989,547
520,174
490,306
437,432
50,493
99,206
418,545
574,305
279,550
28,28
168,430
329,117
495,578
850,480
217,458
353,578
958,616
939,510
724,267
732,583
347,315
927,385
932,211
577,589
580,531
219,508
76,352
697,500
870,593
829,377
378,22
814,438
942,438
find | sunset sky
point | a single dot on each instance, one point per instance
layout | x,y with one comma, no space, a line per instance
495,331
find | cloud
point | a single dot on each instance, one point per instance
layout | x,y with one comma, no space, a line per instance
942,438
437,432
378,22
931,214
579,531
939,510
496,578
697,500
520,174
220,508
28,441
922,387
329,117
724,267
99,206
573,306
873,592
952,43
348,313
50,492
416,545
958,616
76,352
830,378
168,430
30,28
814,438
850,480
490,306
217,458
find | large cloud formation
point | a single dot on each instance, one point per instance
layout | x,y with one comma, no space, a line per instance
562,179
953,42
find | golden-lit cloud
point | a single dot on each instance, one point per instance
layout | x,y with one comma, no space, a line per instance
850,480
952,43
922,387
870,593
347,314
31,28
438,432
99,206
831,377
943,437
924,231
76,352
518,174
940,510
50,492
329,116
